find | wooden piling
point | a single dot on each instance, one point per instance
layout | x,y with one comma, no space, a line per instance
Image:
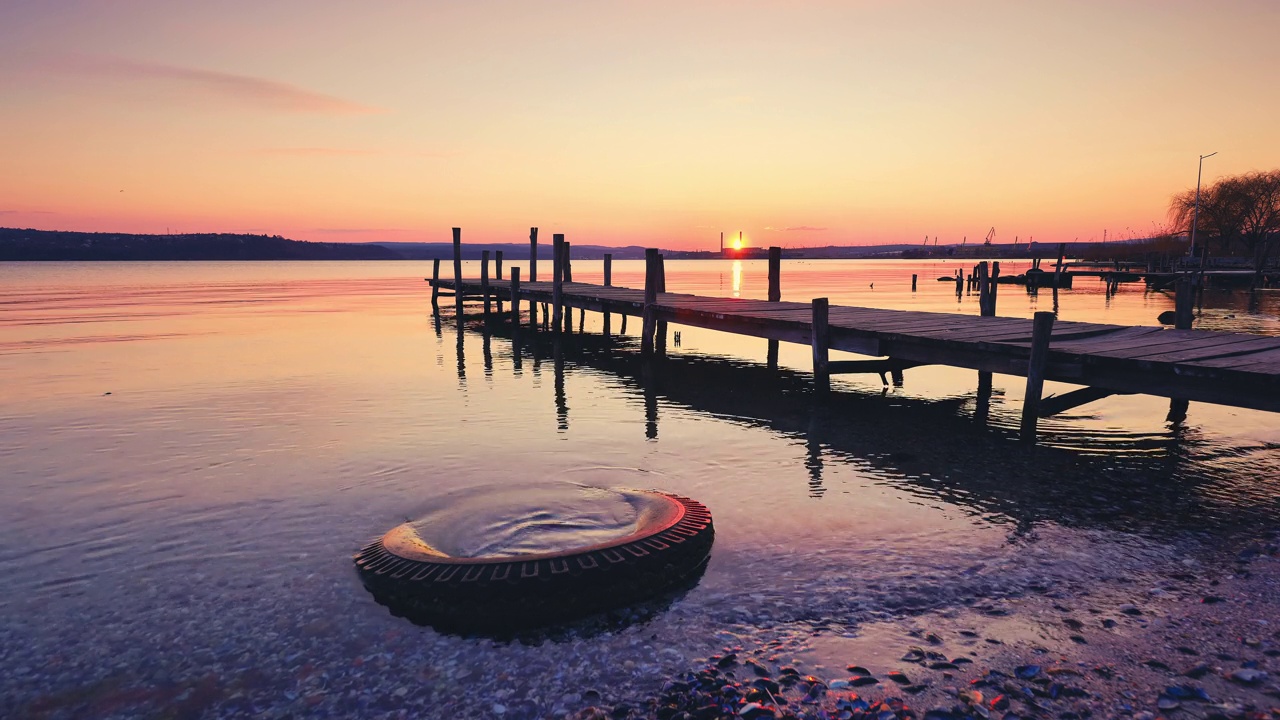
608,269
1057,272
568,262
914,278
566,265
457,272
650,300
533,254
775,274
515,298
993,291
484,280
497,264
821,343
1041,331
660,327
435,286
557,281
1184,303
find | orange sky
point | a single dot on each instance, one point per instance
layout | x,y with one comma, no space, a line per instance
641,123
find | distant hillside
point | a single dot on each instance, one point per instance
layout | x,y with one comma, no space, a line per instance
18,244
510,251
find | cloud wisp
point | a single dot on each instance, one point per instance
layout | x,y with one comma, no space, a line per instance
245,90
314,152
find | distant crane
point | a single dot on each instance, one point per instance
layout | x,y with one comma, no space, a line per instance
990,235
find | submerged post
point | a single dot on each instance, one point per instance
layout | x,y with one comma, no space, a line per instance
457,271
557,281
650,300
484,280
1041,331
435,286
821,344
775,274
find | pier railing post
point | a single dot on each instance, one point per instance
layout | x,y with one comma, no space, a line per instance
484,280
775,295
557,281
457,272
650,300
1183,303
775,274
435,286
1041,331
820,341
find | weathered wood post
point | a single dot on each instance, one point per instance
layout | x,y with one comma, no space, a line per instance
775,295
484,280
648,314
775,274
497,264
568,262
515,298
1041,331
820,341
959,283
457,272
435,286
1183,303
660,326
1057,272
993,288
608,269
914,278
533,274
557,281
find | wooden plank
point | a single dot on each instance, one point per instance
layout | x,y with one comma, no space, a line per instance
1204,349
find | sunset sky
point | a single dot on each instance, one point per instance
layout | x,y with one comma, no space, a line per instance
629,123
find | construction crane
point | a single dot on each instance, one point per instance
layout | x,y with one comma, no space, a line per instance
990,235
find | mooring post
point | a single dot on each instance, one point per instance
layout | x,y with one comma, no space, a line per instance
959,283
557,281
1057,272
515,298
993,290
435,286
1041,331
1183,303
914,278
533,275
457,271
821,343
608,269
775,274
566,263
497,264
775,295
660,326
484,280
650,300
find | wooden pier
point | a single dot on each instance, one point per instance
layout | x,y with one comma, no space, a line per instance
1234,369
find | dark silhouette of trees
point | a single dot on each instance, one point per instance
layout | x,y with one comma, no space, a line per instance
1240,214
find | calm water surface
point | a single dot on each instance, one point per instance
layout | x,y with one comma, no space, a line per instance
191,453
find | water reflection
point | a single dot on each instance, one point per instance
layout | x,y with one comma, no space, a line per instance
737,278
1157,484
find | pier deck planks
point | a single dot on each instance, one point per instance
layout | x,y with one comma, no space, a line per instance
1235,369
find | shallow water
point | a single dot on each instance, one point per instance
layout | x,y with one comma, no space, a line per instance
191,453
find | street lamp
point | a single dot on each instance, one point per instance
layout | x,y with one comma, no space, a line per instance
1195,214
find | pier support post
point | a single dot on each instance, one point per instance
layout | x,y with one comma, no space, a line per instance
1041,331
557,281
497,264
1183,303
1057,273
484,280
533,274
993,289
775,295
775,274
457,272
566,265
650,300
660,326
435,286
608,282
821,342
515,299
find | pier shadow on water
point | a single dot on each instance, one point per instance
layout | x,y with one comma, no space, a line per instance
1157,484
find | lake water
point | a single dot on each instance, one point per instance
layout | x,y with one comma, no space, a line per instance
191,453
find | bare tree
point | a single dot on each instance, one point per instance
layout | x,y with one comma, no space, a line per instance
1238,212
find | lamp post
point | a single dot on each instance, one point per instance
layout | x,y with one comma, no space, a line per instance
1195,213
